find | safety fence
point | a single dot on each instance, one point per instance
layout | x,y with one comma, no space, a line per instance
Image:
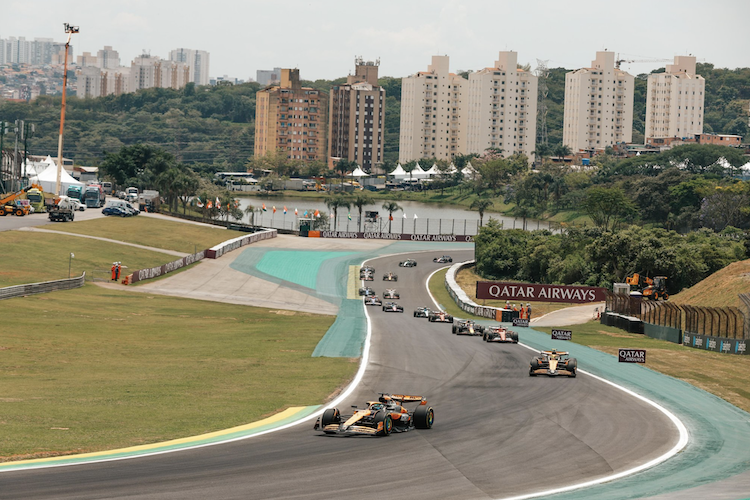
212,253
43,287
721,329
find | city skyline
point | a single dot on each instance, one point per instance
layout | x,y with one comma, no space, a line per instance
318,39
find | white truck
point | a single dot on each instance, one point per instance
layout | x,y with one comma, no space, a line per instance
61,210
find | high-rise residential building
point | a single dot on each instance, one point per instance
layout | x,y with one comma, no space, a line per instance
500,110
268,77
431,104
197,61
38,52
86,60
598,105
292,119
147,72
356,116
98,82
674,101
108,58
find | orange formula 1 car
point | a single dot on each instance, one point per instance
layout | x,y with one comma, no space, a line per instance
553,363
379,418
499,334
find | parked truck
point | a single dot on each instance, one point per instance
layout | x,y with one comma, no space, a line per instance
149,201
93,196
61,210
75,192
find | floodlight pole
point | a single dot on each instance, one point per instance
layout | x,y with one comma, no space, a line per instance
69,30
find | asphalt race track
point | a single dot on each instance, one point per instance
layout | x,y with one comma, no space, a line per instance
497,433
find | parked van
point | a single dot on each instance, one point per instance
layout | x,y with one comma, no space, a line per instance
123,205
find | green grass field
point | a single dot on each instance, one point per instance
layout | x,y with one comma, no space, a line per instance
93,369
30,257
151,232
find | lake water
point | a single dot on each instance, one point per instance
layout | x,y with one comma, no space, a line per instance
414,217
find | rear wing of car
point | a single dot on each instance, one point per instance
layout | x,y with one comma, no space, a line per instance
403,398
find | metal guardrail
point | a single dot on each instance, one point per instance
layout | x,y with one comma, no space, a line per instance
461,298
43,287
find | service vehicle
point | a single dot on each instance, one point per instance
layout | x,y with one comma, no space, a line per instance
373,300
467,327
36,199
149,201
75,192
379,418
366,291
9,205
499,334
94,196
392,307
61,210
408,263
77,205
422,312
390,277
391,294
553,363
124,206
131,194
443,259
650,288
107,187
440,317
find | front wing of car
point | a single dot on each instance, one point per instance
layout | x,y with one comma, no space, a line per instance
557,373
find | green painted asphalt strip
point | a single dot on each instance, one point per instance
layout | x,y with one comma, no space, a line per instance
719,445
286,417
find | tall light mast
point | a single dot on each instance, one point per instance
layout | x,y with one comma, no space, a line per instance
69,30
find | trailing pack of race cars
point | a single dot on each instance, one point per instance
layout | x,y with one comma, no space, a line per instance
387,414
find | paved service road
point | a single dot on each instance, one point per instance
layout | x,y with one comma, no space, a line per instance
498,432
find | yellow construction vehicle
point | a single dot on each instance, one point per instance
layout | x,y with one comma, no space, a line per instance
11,204
650,288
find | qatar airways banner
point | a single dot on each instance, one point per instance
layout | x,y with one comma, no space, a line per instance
499,290
392,236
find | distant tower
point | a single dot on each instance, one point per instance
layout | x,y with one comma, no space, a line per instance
542,72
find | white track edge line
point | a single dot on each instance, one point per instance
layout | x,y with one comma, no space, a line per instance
681,442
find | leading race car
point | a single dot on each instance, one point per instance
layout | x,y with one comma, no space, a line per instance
467,327
373,300
422,312
390,277
443,259
499,334
440,317
379,418
408,263
553,363
391,294
393,307
366,291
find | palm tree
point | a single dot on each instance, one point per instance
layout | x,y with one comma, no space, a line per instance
360,201
481,204
561,151
250,212
342,166
334,203
390,207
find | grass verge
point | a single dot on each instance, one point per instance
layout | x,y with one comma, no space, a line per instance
152,232
33,257
723,375
93,369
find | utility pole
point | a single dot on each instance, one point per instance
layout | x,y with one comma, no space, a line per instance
28,129
69,30
542,73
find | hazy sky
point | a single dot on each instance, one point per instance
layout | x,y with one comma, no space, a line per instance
321,38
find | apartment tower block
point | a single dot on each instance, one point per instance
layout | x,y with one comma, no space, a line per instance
598,105
674,101
292,119
356,117
501,109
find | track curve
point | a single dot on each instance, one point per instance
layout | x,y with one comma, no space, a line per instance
498,432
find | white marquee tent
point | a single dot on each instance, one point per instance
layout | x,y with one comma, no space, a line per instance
358,172
48,179
399,173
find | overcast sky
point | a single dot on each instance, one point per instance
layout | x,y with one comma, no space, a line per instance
321,38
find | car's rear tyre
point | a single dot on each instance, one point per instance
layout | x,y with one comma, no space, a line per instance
453,329
387,423
424,417
330,416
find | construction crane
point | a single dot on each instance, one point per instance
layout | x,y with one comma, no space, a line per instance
619,61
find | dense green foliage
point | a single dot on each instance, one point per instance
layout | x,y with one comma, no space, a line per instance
599,258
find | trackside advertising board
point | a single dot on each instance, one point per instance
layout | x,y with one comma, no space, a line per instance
562,334
631,355
716,344
500,290
451,238
520,322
